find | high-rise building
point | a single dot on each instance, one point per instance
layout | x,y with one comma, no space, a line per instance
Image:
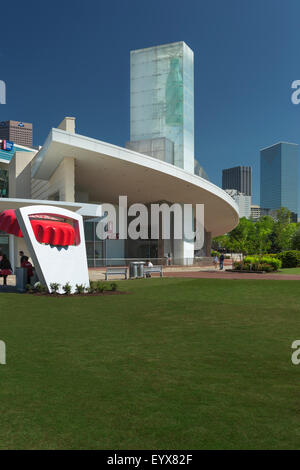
239,178
162,102
17,132
255,212
279,166
243,202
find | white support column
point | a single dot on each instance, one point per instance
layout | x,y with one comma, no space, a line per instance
12,258
184,249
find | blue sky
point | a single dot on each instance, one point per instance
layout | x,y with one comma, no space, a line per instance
71,58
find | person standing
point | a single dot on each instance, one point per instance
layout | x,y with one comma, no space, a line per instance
215,261
22,257
222,257
27,265
5,268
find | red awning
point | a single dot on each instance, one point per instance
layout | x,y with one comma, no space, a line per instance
50,232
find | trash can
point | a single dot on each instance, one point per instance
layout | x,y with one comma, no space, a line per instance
21,279
136,269
140,268
133,269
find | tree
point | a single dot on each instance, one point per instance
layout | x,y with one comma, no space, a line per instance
296,239
263,230
241,238
220,243
284,231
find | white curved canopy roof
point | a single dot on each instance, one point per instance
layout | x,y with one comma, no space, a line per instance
106,171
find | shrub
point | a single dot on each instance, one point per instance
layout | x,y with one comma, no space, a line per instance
79,289
275,263
113,286
93,287
67,289
253,263
100,287
38,287
54,286
266,267
290,259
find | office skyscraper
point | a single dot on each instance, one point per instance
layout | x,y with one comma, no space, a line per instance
279,166
17,132
162,103
239,178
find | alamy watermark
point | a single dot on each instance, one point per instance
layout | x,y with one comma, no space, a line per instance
156,221
2,352
2,92
296,354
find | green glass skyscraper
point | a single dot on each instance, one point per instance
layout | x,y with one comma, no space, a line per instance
162,102
279,176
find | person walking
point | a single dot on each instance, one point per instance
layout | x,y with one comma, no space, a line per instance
215,261
5,268
222,257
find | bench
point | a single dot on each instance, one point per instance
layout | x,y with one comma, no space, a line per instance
114,271
153,269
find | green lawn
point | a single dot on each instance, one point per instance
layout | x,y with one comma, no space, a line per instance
177,364
289,271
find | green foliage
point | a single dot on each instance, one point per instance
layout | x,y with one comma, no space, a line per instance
38,287
100,287
275,263
215,253
296,239
241,237
290,259
113,286
93,287
79,289
258,263
262,236
54,286
67,289
221,243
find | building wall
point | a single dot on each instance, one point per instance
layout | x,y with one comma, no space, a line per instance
20,175
162,98
61,185
279,166
243,201
160,148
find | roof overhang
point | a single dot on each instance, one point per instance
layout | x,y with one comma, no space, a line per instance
10,203
106,171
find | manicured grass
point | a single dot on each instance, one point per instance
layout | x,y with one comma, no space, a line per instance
289,271
178,364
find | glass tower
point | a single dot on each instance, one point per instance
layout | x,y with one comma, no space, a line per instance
239,177
279,166
162,101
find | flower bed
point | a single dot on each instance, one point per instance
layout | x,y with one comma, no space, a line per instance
257,264
96,288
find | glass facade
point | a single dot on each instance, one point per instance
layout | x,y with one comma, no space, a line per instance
4,243
3,183
279,166
162,98
94,246
239,178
